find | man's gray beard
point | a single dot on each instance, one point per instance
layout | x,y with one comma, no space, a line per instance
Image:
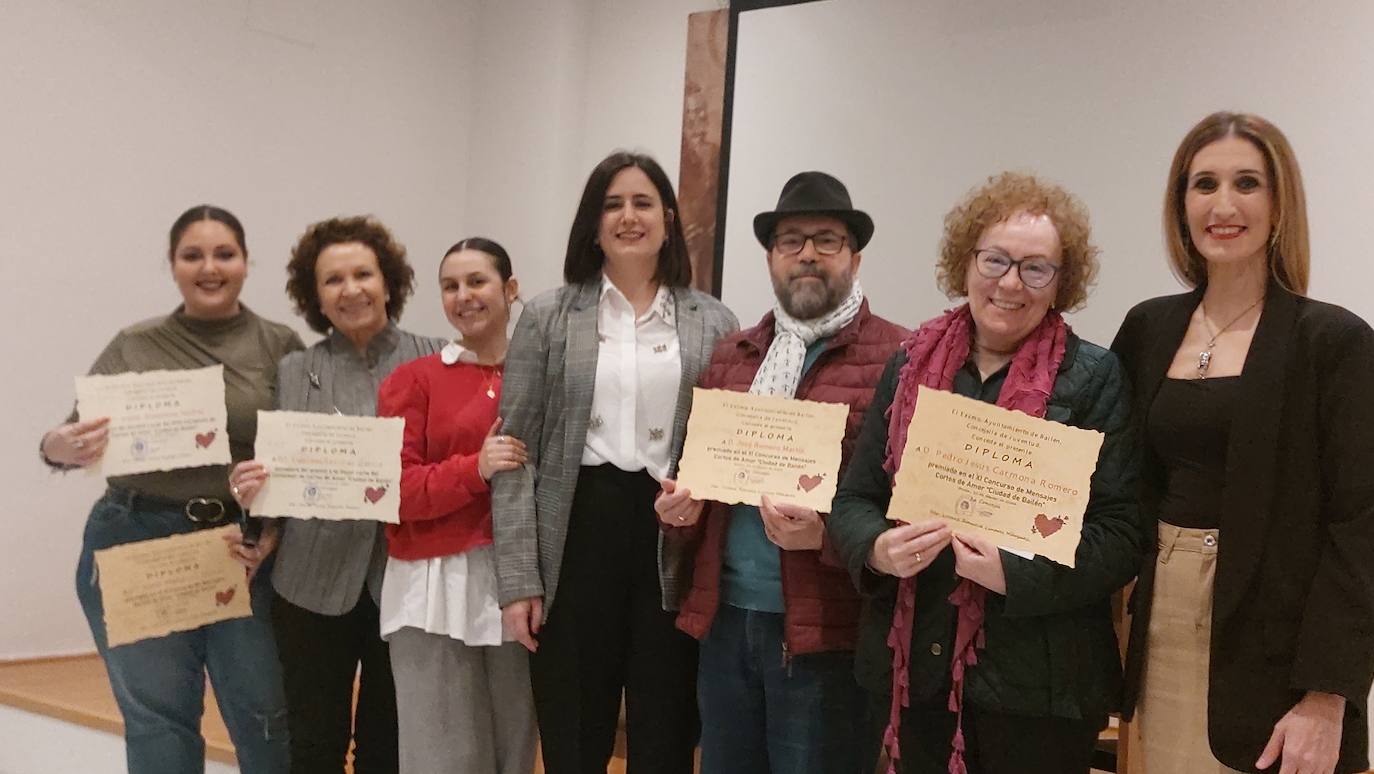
809,305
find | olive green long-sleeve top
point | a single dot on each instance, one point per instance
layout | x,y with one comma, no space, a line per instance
248,347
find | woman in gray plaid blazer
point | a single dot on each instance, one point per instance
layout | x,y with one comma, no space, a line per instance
598,385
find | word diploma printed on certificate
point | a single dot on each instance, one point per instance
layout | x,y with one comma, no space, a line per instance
330,466
174,584
740,447
1016,480
159,420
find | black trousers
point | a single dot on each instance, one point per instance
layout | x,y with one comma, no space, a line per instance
994,742
608,632
320,656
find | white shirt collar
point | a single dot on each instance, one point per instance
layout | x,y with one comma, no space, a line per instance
664,305
455,352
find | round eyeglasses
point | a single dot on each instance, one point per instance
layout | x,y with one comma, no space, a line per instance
1035,272
793,242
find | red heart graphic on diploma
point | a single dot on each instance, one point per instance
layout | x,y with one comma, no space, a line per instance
374,493
203,440
1046,526
224,597
807,483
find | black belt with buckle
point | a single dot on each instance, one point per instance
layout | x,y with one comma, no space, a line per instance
202,511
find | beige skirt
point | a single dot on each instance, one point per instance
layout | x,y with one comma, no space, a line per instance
1171,714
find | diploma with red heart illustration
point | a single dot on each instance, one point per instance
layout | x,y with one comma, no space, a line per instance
740,447
1018,481
329,466
159,420
173,584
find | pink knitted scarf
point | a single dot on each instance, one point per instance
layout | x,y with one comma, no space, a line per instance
935,353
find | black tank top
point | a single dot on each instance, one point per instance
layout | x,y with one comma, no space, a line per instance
1189,425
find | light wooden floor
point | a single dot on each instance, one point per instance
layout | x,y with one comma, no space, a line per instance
76,690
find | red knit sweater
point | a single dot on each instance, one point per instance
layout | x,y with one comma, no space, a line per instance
445,504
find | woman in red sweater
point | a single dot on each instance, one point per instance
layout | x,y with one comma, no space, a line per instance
462,686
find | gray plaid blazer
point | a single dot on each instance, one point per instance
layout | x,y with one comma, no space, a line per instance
546,401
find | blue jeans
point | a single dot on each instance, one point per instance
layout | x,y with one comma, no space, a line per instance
761,716
160,683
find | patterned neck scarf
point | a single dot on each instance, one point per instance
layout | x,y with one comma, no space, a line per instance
781,370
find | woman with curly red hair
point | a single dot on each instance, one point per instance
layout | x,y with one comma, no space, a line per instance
993,662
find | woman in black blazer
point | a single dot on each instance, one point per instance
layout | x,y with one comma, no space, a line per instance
1252,637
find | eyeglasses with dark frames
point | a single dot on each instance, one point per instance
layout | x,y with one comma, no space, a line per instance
1035,272
793,242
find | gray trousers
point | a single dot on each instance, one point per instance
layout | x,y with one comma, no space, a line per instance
462,708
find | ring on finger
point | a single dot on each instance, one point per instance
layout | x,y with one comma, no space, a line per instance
918,557
78,443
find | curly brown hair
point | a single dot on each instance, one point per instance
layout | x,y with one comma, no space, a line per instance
391,259
1001,197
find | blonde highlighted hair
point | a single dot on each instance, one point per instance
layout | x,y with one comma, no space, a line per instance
1289,255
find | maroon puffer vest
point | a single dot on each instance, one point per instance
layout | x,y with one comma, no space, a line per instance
820,603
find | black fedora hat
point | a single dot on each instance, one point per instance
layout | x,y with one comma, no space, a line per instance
815,193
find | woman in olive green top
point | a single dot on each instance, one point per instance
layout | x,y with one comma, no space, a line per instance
159,683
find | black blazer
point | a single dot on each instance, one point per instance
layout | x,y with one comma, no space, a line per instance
1293,606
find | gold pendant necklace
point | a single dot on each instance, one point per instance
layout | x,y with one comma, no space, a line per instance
1204,358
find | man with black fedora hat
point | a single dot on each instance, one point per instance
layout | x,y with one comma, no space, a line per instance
775,611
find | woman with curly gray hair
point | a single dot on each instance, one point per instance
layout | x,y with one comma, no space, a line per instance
350,279
997,662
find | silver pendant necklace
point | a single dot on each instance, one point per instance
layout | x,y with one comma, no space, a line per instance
1204,358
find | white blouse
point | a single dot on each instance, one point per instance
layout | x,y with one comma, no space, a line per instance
638,374
452,595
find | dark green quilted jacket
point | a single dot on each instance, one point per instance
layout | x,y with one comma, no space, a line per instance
1051,649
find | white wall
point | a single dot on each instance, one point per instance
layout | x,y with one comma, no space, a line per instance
561,86
915,103
445,118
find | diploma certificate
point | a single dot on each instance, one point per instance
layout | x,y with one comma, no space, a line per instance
740,447
173,584
1018,481
159,420
329,466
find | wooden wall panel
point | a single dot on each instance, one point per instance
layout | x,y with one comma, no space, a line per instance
703,106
